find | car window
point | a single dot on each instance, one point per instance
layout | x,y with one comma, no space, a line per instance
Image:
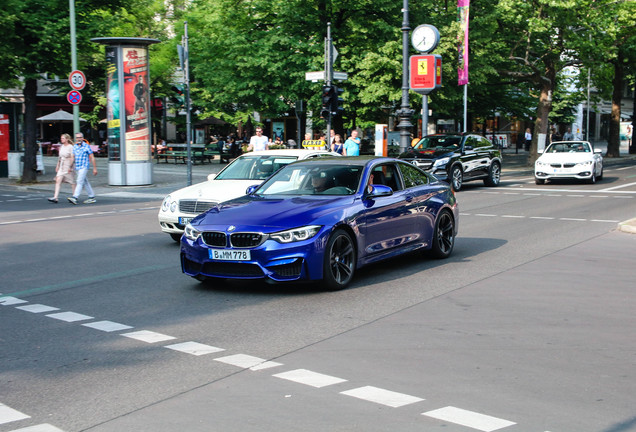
254,167
312,179
481,142
412,176
471,142
439,142
386,174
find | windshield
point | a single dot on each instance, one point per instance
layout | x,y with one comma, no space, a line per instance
569,147
450,142
313,179
254,167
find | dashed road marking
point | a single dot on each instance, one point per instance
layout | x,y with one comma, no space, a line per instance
194,348
307,377
107,326
37,308
470,419
381,396
248,362
8,414
70,316
148,336
10,301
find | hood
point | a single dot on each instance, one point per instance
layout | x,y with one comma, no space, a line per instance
215,190
253,213
565,157
426,153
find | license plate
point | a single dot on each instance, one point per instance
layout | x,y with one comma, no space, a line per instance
185,220
229,255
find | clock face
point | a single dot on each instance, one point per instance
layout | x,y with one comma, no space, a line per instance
425,38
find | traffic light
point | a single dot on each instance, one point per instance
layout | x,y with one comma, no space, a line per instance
327,97
336,101
178,97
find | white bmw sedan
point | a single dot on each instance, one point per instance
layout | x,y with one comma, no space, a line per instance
569,160
181,206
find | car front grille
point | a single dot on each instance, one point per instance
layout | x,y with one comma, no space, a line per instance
288,270
565,165
195,206
424,164
214,238
246,240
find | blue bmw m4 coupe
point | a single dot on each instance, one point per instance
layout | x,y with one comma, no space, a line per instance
320,220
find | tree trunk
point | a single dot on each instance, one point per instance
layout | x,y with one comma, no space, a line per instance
541,125
614,139
29,172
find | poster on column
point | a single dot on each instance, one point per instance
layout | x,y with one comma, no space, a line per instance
137,103
113,121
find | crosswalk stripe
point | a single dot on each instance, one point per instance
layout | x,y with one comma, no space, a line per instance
307,377
481,422
381,396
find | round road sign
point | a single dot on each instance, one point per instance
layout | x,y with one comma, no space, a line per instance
77,79
74,97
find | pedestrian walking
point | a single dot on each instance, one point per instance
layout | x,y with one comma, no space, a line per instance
568,135
352,145
83,159
64,167
528,138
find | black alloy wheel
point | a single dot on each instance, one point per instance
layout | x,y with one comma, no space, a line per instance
444,235
339,260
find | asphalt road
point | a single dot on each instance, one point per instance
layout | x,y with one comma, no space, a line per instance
527,327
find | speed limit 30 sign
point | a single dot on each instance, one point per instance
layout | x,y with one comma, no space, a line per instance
77,79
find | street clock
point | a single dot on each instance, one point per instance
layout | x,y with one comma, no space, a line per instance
425,38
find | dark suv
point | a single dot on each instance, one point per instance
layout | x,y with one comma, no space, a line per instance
457,158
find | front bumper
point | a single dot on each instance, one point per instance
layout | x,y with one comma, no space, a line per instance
551,174
298,261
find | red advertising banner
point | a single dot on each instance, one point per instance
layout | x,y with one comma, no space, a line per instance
137,103
4,137
425,73
463,14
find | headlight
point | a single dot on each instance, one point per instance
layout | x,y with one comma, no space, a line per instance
540,163
586,163
191,233
168,204
296,234
441,162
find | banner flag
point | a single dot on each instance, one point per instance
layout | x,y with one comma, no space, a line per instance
463,13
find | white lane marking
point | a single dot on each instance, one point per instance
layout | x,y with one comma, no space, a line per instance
470,419
9,300
618,187
148,336
78,215
604,220
8,414
194,348
624,168
307,377
512,216
248,362
107,326
70,316
541,217
573,219
44,427
381,396
37,308
486,215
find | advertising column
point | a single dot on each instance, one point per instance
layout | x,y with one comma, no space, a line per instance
128,111
4,145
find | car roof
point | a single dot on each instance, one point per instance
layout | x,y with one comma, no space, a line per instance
349,160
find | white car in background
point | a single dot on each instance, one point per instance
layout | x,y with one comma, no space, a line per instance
569,160
181,206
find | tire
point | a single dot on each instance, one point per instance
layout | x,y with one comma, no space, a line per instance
339,260
592,179
600,176
176,237
456,178
539,181
443,236
494,175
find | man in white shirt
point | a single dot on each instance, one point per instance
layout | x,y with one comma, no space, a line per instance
258,142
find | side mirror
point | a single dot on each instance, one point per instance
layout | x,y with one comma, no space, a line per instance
211,176
379,191
250,190
540,151
598,151
468,147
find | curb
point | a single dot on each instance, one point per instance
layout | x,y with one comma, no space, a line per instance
628,226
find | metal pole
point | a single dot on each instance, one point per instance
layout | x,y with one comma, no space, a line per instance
424,115
405,112
587,122
186,86
328,69
71,4
465,107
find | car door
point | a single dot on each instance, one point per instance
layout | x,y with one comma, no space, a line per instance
389,222
470,157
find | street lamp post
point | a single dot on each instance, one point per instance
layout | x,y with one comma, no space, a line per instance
405,112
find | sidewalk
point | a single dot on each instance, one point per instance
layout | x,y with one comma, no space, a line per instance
166,178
